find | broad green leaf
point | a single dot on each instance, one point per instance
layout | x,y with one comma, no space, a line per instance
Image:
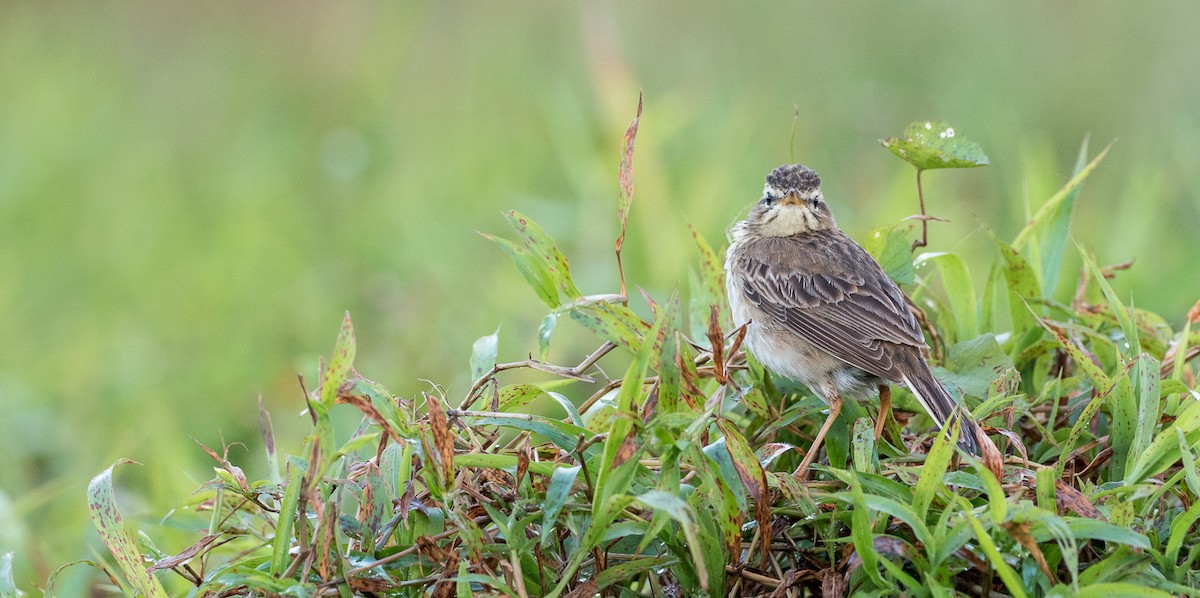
1189,463
960,292
562,434
1164,449
340,363
1010,578
611,322
557,492
936,463
1093,529
604,515
891,248
483,354
935,144
973,365
102,505
542,246
749,470
675,508
531,267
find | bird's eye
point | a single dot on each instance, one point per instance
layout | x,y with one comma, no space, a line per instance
767,199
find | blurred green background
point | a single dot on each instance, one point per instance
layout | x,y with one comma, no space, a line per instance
191,194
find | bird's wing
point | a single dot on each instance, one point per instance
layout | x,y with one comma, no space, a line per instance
833,294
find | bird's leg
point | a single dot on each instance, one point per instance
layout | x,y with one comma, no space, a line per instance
835,407
885,409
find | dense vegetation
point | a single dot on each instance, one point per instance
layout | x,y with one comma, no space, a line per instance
673,478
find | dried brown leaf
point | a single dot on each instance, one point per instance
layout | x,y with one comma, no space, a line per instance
443,439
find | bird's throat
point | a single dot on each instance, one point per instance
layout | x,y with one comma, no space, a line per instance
788,220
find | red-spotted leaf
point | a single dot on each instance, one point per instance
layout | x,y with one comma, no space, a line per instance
102,505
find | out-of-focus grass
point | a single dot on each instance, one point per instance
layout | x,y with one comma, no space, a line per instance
190,194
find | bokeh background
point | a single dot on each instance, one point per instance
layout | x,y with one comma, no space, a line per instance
191,194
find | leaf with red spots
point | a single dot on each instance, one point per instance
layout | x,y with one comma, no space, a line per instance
625,178
102,504
340,363
542,246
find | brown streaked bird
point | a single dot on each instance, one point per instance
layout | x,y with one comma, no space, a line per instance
821,310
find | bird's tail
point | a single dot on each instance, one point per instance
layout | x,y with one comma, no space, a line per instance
944,409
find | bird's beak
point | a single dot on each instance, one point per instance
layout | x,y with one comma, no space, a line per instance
791,199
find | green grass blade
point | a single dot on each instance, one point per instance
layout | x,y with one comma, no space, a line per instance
1058,198
936,463
1056,228
1108,590
1131,346
1145,384
960,292
1010,578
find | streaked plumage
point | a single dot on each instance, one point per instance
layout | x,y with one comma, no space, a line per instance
821,309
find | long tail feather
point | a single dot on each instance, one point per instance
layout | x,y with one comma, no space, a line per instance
944,409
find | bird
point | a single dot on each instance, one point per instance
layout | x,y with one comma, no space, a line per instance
818,309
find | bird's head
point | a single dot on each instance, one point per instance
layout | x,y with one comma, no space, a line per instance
792,203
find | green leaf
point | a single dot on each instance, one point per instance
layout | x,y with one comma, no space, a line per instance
972,365
1145,383
1093,529
863,447
483,354
531,267
282,541
562,434
340,363
1131,346
1010,578
1164,450
557,492
861,529
934,144
890,247
102,505
541,246
617,464
611,322
936,463
674,507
